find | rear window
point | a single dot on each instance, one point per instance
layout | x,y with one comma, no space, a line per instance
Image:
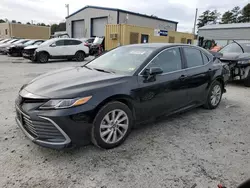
72,42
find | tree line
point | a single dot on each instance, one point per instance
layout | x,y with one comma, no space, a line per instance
236,15
54,27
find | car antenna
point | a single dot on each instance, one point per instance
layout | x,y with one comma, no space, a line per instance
239,46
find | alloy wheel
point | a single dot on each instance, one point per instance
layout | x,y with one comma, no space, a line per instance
215,95
114,126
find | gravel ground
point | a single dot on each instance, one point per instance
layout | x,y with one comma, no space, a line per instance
199,147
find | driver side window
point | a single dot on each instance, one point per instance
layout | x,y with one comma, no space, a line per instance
168,60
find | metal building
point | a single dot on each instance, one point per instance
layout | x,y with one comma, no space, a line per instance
90,21
8,30
225,33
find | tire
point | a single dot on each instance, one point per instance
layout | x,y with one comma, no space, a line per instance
247,80
112,134
80,56
214,95
43,57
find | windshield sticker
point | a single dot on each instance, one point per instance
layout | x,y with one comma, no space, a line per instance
137,52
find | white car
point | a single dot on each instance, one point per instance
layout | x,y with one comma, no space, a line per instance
61,48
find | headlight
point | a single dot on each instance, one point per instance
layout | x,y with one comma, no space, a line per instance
244,62
65,103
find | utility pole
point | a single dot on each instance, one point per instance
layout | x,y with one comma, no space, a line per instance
195,19
67,6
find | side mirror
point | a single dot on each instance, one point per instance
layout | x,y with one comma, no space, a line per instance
53,45
155,70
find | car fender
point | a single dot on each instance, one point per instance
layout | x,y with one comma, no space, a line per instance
126,99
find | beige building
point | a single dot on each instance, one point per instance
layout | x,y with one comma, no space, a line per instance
8,30
124,34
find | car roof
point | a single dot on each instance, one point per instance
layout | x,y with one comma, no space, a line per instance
159,45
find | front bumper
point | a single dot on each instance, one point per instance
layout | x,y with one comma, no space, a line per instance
55,129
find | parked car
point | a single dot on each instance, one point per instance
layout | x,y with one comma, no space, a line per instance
97,47
17,49
60,48
88,41
237,56
8,43
101,100
21,41
5,41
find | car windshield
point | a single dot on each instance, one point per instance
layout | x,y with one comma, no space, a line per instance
126,59
18,41
231,48
29,42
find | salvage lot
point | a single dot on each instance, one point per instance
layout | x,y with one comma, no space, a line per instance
201,146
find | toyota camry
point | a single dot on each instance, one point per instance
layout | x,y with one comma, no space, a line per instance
101,101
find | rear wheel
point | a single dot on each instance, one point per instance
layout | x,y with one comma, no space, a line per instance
80,56
111,125
214,95
43,57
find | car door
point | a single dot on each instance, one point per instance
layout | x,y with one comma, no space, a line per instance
57,48
198,73
166,92
71,46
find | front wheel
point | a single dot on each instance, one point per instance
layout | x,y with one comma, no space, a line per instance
111,125
43,57
214,95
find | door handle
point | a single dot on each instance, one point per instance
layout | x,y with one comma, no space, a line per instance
182,77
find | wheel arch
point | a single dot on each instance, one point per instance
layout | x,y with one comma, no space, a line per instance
80,51
44,51
221,80
125,99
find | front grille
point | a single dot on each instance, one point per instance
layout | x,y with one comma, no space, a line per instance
42,130
29,52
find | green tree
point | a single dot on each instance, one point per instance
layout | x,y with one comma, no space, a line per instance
43,24
208,17
227,17
54,28
236,12
13,21
62,26
2,21
28,23
245,14
19,22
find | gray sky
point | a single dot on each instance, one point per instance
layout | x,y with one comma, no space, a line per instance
54,11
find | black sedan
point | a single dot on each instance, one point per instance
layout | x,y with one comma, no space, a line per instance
237,56
17,50
102,100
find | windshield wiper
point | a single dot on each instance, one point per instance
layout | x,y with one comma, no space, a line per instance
239,46
102,70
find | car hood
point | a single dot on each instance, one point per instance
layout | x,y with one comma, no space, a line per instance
235,56
70,82
31,47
